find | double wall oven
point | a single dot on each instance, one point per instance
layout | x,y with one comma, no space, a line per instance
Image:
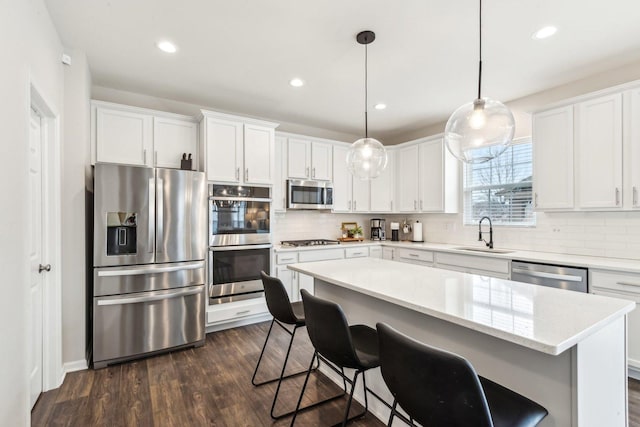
239,241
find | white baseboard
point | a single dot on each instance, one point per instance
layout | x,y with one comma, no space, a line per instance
76,365
242,322
633,372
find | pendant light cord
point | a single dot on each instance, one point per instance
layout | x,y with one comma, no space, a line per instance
480,52
366,121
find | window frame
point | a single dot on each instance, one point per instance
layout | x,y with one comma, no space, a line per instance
467,218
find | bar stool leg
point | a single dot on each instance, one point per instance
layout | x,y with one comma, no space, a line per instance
284,366
393,412
264,346
353,388
304,386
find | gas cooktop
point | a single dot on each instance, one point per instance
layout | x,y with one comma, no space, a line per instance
312,242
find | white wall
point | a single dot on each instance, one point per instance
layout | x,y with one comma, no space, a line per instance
31,53
75,170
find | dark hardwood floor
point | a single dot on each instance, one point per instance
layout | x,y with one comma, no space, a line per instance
206,386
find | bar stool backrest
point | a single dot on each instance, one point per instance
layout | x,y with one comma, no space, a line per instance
277,299
435,387
329,331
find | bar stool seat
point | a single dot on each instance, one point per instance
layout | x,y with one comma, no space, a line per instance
438,388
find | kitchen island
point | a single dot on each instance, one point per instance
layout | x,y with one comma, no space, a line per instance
565,350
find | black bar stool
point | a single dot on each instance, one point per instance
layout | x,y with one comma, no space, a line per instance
337,343
438,388
284,313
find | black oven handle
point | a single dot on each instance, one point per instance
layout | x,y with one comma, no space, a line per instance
239,248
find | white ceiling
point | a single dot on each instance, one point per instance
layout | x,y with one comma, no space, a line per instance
238,55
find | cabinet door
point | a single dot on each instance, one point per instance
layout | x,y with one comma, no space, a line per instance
382,190
361,190
171,139
279,193
258,154
321,161
388,253
553,159
599,152
288,279
224,150
305,282
341,180
407,173
432,176
631,148
375,252
298,159
123,137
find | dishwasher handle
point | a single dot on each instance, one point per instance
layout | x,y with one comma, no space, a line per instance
563,277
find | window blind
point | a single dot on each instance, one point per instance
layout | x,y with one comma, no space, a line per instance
501,188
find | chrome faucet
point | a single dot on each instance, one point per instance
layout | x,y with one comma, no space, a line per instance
480,239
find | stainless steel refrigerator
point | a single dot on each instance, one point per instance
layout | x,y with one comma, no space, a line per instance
150,239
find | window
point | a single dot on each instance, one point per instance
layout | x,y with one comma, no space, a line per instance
501,188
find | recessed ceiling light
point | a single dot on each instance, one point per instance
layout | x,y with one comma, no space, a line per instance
380,106
544,32
296,82
167,46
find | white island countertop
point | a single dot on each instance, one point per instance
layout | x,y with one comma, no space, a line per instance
540,318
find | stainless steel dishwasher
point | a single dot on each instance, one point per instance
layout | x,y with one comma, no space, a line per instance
554,276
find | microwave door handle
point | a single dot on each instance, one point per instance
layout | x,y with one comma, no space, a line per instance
160,217
152,214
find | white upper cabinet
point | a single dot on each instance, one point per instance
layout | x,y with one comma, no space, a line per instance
279,193
128,135
361,191
298,159
342,199
238,150
631,149
382,188
407,172
598,156
258,154
171,139
553,159
428,177
308,159
439,177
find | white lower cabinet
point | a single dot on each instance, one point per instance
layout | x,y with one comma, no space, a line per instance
358,252
232,311
625,286
414,256
484,266
388,253
375,252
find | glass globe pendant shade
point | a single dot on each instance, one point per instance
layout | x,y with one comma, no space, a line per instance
479,131
366,158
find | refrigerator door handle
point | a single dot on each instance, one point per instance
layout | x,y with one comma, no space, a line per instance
160,216
150,298
150,270
152,213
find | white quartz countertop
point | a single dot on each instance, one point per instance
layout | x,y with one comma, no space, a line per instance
615,264
544,319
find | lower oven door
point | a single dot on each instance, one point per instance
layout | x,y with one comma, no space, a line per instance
126,326
234,272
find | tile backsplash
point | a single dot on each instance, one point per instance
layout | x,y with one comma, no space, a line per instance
603,234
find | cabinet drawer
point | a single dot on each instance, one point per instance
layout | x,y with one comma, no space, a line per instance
321,255
287,258
626,285
236,310
472,262
356,252
414,255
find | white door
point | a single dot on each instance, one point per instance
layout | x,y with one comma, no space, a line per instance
298,159
35,256
224,150
321,161
258,154
171,139
431,176
341,180
407,174
382,189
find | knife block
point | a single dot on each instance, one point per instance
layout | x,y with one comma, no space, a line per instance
186,164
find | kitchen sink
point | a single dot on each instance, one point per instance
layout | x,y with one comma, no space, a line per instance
491,251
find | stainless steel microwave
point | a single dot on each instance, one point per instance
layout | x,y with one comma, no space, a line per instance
303,194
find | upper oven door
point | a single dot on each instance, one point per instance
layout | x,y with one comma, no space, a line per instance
309,194
238,219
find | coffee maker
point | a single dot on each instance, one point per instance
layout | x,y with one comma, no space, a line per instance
377,229
395,231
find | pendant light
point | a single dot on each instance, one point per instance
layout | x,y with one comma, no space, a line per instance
484,123
367,157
